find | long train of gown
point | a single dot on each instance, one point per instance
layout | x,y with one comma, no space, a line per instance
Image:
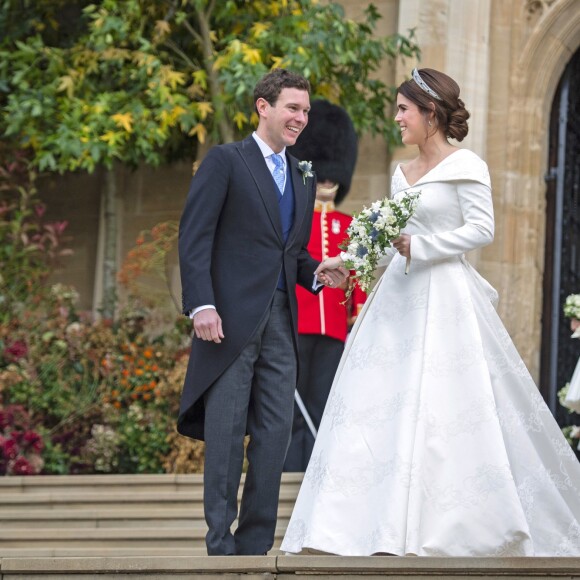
435,440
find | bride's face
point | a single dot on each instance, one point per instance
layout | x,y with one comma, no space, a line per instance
411,121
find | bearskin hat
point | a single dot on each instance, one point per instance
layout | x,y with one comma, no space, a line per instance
330,142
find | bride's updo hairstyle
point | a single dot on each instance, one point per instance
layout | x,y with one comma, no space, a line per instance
429,88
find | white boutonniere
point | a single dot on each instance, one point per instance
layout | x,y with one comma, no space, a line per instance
306,169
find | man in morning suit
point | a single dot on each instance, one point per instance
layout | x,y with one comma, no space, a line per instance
242,250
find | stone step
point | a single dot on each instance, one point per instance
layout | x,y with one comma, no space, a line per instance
181,537
280,567
145,482
134,527
83,516
101,552
123,500
151,516
117,483
101,518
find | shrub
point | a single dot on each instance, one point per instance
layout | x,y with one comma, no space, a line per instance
77,395
20,443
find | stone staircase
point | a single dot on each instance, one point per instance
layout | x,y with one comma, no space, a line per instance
152,527
110,515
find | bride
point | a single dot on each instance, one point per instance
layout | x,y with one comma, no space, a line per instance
435,440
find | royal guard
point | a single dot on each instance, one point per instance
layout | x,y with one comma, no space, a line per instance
330,143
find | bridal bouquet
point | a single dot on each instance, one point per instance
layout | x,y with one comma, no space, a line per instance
371,232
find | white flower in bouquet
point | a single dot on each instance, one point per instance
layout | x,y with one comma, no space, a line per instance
572,434
371,232
572,306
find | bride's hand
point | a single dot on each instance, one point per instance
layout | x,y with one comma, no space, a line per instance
403,245
332,272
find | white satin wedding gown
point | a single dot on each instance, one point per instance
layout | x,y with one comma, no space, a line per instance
435,440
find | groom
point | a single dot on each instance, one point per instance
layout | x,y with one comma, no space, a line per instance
242,250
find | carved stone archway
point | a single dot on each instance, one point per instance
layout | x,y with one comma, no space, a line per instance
534,79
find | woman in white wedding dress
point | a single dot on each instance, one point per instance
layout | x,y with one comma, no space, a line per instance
435,440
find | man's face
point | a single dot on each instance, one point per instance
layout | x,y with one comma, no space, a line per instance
281,123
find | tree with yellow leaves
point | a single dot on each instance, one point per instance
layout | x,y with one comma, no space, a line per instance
136,81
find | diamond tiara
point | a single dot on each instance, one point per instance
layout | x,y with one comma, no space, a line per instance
417,78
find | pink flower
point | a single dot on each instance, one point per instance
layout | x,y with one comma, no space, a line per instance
59,227
39,209
32,440
4,422
21,467
10,449
16,436
16,350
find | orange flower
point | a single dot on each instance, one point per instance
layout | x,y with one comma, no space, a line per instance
134,396
115,393
154,368
147,396
152,384
138,372
148,353
125,372
117,405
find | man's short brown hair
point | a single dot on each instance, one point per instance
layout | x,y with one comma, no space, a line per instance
270,85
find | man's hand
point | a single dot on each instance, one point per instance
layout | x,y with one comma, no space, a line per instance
208,325
332,272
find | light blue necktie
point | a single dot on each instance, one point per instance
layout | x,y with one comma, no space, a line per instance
278,172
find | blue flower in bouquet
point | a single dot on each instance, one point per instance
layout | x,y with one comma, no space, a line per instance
371,232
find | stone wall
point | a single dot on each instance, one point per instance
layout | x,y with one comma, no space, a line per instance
508,57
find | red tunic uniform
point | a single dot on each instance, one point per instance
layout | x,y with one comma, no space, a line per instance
325,314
